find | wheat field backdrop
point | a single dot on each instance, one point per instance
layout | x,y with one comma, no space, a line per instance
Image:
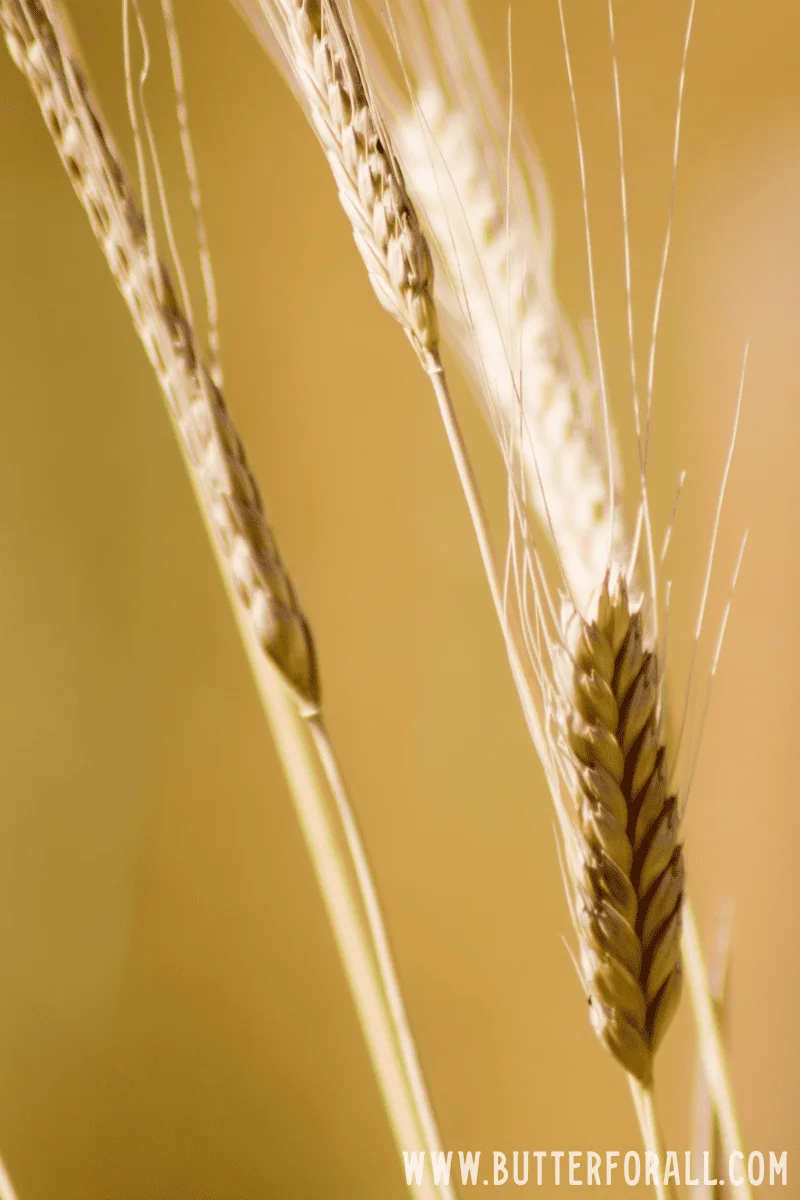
174,1020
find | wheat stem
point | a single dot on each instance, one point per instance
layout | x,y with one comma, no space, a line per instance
645,1105
342,872
380,942
274,632
6,1187
406,1105
712,1049
480,525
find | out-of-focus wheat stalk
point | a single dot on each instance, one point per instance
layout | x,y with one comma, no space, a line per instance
497,290
6,1187
317,51
707,1134
275,633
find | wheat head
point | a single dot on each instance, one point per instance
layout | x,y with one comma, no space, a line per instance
39,45
318,54
624,860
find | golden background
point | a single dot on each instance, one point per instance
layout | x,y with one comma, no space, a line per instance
173,1018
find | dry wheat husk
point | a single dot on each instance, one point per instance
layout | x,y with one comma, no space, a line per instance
624,861
39,45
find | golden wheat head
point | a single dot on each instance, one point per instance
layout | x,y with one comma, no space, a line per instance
625,863
39,45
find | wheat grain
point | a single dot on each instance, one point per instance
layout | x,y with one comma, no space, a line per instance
40,47
624,858
319,55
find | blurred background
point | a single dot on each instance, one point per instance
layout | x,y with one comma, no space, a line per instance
174,1021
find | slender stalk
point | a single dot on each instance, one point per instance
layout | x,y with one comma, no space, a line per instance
645,1105
275,635
341,870
6,1187
380,940
712,1049
480,524
707,1138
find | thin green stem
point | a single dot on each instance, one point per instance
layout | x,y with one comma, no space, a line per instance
711,1045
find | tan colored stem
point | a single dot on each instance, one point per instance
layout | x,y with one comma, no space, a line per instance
320,800
645,1105
380,942
480,524
274,632
712,1049
6,1187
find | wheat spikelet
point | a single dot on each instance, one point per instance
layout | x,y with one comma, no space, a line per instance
40,47
623,856
319,55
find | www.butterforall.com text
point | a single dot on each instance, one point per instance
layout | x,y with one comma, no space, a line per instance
576,1168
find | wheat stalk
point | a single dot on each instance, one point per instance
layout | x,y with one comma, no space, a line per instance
317,51
275,634
207,436
6,1187
484,193
634,981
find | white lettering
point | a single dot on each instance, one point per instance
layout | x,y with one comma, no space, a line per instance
777,1166
651,1168
736,1180
469,1162
758,1158
414,1164
611,1164
517,1180
634,1157
575,1157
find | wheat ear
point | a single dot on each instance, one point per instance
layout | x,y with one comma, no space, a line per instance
276,636
626,861
316,50
323,64
465,163
212,449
